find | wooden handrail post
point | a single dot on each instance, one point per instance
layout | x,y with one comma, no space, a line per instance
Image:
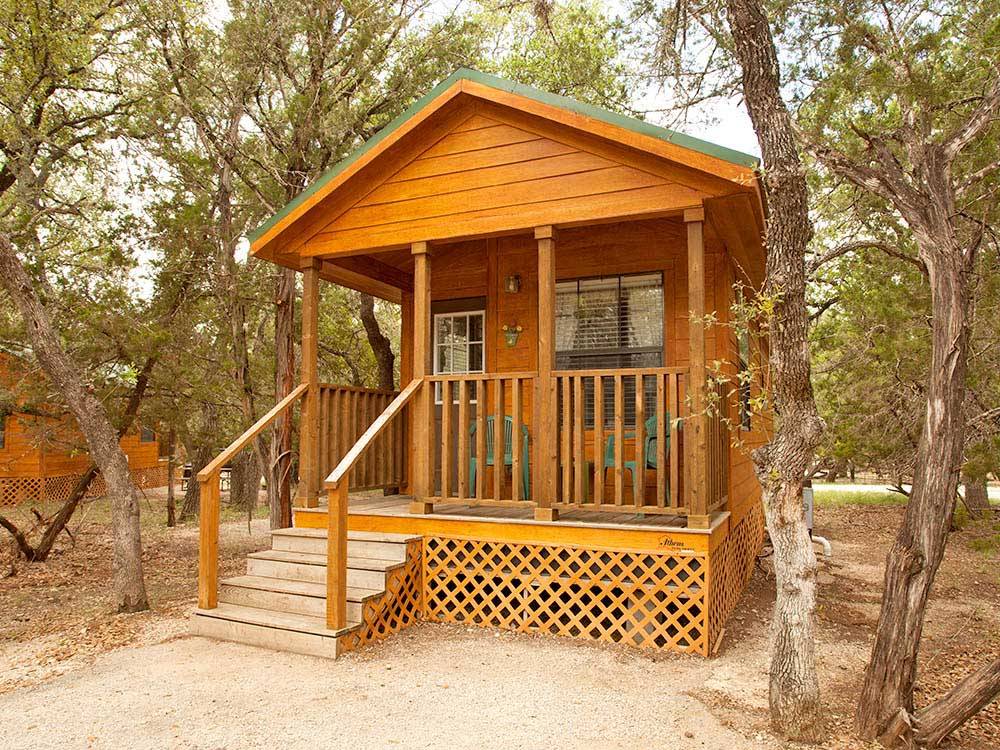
336,556
695,428
544,440
208,542
422,471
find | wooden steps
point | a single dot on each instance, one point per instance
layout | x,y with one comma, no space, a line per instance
281,601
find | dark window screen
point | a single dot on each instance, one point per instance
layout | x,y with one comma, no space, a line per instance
612,322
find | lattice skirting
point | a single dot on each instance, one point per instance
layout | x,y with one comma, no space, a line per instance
647,599
14,491
398,607
730,568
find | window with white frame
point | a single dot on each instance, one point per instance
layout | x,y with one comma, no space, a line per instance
458,344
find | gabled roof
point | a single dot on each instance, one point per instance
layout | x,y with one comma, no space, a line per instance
713,159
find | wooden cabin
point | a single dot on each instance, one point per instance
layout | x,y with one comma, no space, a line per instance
43,455
562,441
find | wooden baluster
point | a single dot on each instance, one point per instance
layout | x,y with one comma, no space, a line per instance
463,439
579,462
480,439
673,386
388,456
336,556
340,415
517,492
598,440
446,406
566,455
639,475
619,441
352,415
498,441
208,543
662,430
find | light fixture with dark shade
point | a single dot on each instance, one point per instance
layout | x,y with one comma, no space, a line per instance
512,284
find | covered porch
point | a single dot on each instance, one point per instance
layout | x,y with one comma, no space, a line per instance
518,331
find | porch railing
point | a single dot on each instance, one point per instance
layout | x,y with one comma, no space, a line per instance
619,440
482,433
717,446
337,486
345,412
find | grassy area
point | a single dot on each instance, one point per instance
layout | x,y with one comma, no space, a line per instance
831,496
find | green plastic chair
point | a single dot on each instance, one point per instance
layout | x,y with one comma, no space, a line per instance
508,451
649,448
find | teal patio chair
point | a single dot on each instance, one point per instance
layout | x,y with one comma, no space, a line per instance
649,448
508,451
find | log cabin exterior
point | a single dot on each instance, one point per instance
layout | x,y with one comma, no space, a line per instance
562,439
43,455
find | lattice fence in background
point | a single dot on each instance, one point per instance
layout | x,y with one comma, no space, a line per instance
19,490
14,491
730,568
639,598
396,608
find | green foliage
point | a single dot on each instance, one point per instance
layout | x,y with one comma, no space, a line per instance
571,48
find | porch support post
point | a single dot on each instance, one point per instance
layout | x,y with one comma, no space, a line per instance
423,453
544,439
307,495
696,427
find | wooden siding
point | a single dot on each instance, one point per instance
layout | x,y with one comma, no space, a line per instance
501,173
49,447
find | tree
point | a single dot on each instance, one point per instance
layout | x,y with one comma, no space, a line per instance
905,107
781,464
61,96
740,31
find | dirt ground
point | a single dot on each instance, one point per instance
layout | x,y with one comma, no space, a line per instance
72,675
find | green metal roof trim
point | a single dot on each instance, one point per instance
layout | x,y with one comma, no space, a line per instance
563,102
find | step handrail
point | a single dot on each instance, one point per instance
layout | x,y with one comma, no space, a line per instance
208,516
259,426
375,429
337,485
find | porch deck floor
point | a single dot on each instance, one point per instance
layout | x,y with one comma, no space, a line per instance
398,506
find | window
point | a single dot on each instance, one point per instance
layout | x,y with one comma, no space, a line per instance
146,435
612,322
458,344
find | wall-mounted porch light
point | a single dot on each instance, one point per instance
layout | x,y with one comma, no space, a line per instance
511,334
512,284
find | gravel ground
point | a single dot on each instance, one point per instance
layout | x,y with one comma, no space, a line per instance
432,686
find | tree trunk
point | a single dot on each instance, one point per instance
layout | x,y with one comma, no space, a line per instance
949,712
171,502
781,465
916,553
127,578
244,482
385,360
200,457
284,382
976,499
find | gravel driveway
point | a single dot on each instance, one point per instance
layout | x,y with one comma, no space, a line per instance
431,686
